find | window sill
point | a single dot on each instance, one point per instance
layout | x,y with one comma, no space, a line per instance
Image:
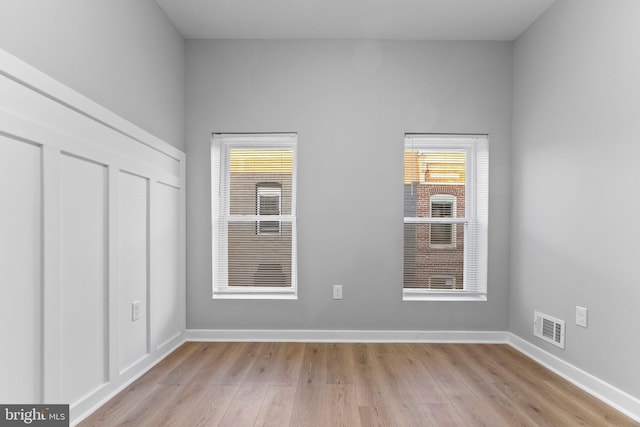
424,295
254,294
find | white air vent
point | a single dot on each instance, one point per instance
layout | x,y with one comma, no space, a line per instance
548,328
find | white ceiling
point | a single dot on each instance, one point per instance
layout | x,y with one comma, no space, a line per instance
353,19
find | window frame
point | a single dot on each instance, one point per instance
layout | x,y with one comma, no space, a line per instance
475,258
221,144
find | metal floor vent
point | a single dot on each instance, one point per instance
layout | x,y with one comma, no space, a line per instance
548,328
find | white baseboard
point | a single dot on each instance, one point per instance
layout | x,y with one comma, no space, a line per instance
344,336
612,396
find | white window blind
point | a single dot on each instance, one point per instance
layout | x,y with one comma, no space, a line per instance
253,215
445,216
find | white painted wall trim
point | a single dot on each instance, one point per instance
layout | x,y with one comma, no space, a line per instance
28,76
344,336
612,396
59,123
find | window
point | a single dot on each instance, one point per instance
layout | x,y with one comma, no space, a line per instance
443,235
268,202
253,205
445,217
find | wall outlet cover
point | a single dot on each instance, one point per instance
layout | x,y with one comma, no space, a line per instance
581,316
135,311
337,291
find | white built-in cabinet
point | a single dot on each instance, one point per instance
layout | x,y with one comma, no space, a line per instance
91,222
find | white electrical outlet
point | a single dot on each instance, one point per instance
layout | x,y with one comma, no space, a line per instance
581,316
135,311
337,291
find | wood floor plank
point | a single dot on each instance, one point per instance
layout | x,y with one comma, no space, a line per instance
396,393
187,369
586,409
522,382
470,408
362,384
339,364
443,415
310,405
343,408
277,406
479,380
497,377
143,413
376,416
239,363
204,409
420,380
314,365
367,390
434,359
214,370
288,363
264,365
245,405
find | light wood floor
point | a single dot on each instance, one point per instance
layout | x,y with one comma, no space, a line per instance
297,384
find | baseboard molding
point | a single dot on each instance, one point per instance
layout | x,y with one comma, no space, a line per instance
612,396
246,335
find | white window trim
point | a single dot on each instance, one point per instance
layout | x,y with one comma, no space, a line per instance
476,175
220,145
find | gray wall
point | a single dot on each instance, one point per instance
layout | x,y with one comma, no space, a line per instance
575,183
351,103
125,55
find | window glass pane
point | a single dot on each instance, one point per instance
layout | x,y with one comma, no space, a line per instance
429,173
248,168
259,260
427,267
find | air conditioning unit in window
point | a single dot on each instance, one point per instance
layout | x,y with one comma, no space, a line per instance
548,329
